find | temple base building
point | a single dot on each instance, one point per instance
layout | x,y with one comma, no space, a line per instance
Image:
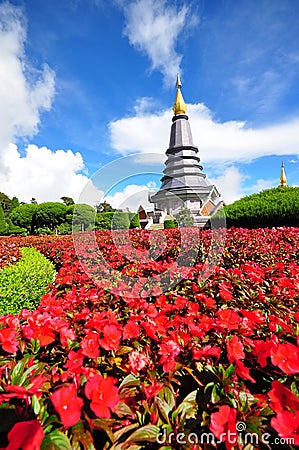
184,185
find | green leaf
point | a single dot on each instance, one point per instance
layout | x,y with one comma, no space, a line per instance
214,396
83,437
229,371
35,405
118,434
121,409
123,350
166,394
164,408
148,433
28,371
105,425
186,410
17,371
129,381
191,397
56,441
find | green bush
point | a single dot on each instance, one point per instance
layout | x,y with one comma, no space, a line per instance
120,221
184,218
170,223
117,220
104,220
23,284
275,207
65,228
3,223
43,230
14,230
134,220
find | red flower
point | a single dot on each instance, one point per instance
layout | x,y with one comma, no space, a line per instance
169,351
207,351
111,339
131,330
8,340
67,404
223,425
225,292
75,360
243,371
152,390
262,350
103,395
235,349
137,361
210,302
228,319
287,425
25,436
66,334
286,357
282,398
44,335
90,345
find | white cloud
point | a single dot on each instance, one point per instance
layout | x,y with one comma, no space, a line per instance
25,91
229,184
218,143
153,27
263,184
132,196
46,175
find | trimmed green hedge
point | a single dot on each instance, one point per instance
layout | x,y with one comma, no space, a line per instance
275,207
117,220
134,220
23,284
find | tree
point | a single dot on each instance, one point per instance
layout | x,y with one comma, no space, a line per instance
104,207
67,200
24,216
3,223
5,202
50,215
184,218
14,203
83,216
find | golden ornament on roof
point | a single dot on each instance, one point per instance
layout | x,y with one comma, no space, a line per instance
179,106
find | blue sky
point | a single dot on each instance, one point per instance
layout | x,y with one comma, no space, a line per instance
86,82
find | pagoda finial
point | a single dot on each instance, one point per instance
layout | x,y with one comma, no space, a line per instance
283,178
179,106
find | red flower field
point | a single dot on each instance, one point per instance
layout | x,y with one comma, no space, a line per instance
121,354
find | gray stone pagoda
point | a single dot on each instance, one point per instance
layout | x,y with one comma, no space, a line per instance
184,185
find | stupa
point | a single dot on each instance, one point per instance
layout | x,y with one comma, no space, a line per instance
184,185
283,177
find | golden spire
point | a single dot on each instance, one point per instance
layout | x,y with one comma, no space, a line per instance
179,106
283,178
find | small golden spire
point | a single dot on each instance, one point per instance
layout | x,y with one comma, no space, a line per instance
283,178
179,106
